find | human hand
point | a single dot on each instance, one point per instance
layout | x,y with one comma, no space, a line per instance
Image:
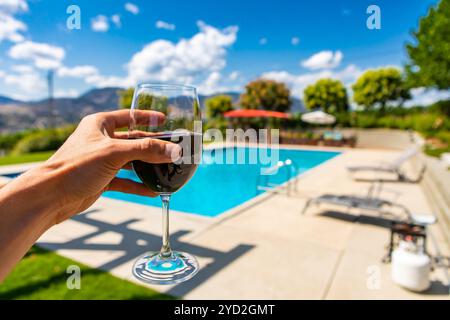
74,177
86,165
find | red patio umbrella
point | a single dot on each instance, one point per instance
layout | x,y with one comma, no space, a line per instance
255,113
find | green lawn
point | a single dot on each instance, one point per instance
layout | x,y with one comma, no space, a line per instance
435,152
23,158
42,275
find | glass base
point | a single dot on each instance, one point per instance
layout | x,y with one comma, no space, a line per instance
152,268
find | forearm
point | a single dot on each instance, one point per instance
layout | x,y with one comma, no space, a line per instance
73,179
27,210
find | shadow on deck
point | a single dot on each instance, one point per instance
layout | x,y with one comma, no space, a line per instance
130,244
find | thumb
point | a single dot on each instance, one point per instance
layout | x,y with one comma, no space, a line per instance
148,150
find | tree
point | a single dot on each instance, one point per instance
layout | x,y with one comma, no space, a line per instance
380,86
145,101
328,94
430,54
218,105
266,94
125,98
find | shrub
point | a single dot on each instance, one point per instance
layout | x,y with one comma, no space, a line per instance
43,140
344,119
328,94
365,120
267,95
125,98
8,141
442,107
216,123
218,105
427,122
418,121
443,136
379,87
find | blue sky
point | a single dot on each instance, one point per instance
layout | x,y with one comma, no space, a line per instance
214,45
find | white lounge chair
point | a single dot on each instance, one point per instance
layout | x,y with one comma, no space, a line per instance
378,205
393,167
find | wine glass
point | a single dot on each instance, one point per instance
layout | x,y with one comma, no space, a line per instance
176,118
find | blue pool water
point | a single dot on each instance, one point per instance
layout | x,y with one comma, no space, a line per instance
216,188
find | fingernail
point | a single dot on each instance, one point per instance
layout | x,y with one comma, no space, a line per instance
173,151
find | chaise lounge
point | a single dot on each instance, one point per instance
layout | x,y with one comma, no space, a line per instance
394,167
381,206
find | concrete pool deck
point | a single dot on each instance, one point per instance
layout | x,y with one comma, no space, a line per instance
265,249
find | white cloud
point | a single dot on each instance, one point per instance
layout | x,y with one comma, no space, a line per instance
165,25
131,7
297,83
234,75
43,55
22,68
216,83
91,75
10,27
211,84
426,97
31,83
116,20
47,63
70,93
295,41
78,71
323,60
107,81
13,6
165,61
349,74
100,24
263,41
187,61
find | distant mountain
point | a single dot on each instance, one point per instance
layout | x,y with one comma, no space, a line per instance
73,109
7,100
297,105
18,115
234,95
102,98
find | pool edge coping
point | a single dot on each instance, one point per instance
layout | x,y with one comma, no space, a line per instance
227,214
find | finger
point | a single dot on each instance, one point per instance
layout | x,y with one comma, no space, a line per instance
127,166
130,186
133,134
120,135
147,150
122,118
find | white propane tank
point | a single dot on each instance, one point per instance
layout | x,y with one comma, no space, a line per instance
410,267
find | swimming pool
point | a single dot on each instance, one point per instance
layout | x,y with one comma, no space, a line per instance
216,188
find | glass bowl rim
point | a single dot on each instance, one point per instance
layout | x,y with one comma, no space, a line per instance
165,86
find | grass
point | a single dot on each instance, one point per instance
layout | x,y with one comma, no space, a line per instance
23,158
437,143
42,275
435,152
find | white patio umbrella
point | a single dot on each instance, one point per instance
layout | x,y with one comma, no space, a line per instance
318,117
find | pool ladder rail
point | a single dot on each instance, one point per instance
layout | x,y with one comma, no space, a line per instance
289,186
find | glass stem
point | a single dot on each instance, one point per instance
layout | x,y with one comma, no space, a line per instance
165,249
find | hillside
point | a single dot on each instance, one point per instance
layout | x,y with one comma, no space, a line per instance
18,115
